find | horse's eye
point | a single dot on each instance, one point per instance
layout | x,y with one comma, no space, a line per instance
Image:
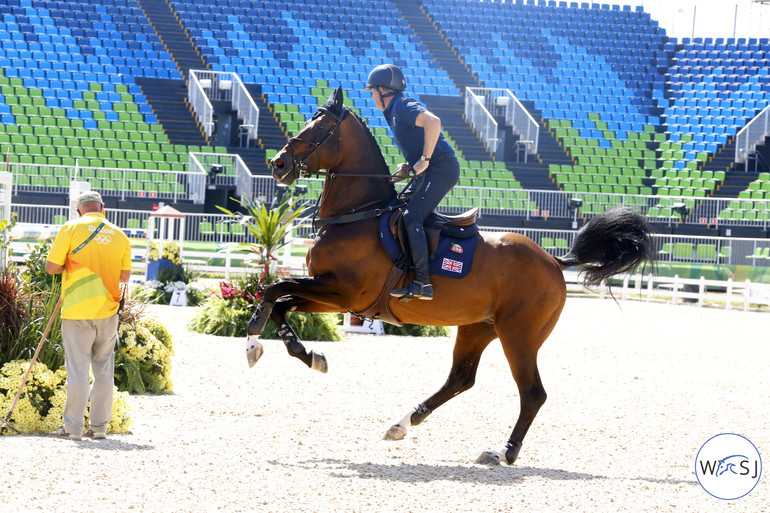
319,126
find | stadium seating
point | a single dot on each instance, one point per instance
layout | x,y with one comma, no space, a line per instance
635,112
67,82
308,41
594,71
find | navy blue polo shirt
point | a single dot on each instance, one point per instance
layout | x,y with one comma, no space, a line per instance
410,138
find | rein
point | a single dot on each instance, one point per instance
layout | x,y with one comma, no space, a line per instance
355,214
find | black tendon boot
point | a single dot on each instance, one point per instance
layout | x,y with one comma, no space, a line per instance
420,287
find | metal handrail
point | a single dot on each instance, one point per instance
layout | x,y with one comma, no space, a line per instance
503,103
481,120
222,86
196,95
755,131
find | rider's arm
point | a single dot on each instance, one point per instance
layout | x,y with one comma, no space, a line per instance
431,125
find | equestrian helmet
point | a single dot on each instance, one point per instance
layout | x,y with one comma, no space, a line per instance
386,75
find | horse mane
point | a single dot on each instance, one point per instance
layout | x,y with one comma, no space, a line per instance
370,135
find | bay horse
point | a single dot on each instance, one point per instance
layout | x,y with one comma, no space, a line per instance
515,290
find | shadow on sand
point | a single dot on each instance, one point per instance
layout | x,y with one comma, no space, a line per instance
470,473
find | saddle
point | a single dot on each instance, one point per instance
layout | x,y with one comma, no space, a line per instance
461,226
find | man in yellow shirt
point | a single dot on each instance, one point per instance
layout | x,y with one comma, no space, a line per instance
95,256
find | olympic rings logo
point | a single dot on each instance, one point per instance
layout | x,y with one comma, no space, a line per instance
102,239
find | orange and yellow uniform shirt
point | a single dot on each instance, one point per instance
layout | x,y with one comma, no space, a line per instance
91,278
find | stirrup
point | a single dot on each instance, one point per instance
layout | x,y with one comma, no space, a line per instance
415,290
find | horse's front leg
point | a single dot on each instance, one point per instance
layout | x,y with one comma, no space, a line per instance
259,319
317,290
306,295
314,360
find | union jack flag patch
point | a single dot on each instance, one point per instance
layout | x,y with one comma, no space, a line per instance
452,265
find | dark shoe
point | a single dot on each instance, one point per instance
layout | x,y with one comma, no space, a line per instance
415,290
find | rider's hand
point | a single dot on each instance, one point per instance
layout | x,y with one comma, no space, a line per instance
403,170
420,166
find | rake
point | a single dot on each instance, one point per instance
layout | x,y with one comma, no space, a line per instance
7,420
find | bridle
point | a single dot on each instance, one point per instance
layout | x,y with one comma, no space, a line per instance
299,165
301,171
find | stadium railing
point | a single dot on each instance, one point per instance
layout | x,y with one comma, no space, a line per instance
222,86
751,135
670,248
483,105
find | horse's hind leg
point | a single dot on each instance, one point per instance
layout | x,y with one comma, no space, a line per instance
521,349
470,343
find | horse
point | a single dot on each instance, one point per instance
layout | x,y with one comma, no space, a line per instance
515,290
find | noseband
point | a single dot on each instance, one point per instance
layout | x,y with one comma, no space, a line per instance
299,165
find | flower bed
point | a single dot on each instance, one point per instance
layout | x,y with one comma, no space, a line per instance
40,406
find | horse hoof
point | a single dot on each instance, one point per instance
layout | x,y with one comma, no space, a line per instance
319,363
490,458
254,350
395,432
259,319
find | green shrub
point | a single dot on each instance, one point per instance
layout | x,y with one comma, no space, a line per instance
160,331
416,330
142,362
24,314
222,317
35,276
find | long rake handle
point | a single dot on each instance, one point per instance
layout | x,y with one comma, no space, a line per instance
34,359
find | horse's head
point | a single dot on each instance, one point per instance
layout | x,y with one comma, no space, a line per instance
316,146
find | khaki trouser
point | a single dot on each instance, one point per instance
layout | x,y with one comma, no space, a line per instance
89,343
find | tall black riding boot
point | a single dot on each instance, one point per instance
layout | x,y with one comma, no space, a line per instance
420,287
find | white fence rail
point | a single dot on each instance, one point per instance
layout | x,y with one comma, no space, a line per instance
200,103
727,294
190,185
219,228
170,186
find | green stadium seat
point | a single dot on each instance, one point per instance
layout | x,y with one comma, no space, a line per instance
760,254
683,250
222,228
706,252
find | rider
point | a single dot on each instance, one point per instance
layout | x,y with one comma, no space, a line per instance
417,133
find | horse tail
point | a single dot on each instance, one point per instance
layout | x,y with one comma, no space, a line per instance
616,241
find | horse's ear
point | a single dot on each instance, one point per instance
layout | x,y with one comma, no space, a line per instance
339,97
335,102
